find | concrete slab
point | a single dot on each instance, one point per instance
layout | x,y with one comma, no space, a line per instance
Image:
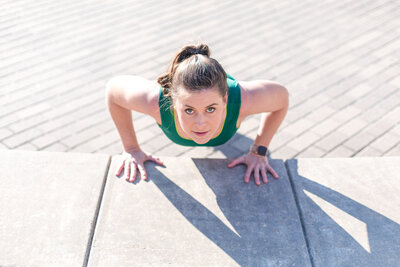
198,212
47,206
350,208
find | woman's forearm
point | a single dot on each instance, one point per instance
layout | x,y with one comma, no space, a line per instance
269,124
123,121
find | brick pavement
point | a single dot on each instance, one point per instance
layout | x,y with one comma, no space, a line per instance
338,59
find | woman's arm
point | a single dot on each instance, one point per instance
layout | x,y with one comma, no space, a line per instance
269,98
123,94
272,100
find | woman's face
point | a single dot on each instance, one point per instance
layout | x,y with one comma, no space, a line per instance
200,114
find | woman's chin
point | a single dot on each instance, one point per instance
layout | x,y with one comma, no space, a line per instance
200,141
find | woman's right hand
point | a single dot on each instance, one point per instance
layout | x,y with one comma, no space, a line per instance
133,160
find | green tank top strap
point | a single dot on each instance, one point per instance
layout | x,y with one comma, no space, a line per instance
168,124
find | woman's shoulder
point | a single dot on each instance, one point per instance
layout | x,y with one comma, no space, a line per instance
136,93
262,96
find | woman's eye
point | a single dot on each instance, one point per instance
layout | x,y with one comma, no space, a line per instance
210,110
189,111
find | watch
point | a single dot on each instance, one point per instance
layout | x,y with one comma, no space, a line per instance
259,150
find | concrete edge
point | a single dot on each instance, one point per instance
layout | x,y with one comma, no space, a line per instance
300,214
96,214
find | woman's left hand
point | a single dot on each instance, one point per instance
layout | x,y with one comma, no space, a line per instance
256,164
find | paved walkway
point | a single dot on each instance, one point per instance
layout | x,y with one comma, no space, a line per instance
340,61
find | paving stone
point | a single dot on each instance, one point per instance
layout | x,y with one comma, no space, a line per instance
359,141
303,141
353,126
27,146
340,152
4,133
48,203
325,127
385,142
114,149
299,126
394,152
57,147
331,140
321,113
251,123
284,152
340,102
281,138
369,152
2,146
311,152
350,209
198,213
76,139
345,114
22,138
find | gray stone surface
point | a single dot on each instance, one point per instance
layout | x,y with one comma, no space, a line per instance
350,209
47,206
340,61
198,212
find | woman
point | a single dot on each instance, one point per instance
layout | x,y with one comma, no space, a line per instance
196,104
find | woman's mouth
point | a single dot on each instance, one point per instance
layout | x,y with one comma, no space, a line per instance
201,133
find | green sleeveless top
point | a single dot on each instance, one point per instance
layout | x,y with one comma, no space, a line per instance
168,124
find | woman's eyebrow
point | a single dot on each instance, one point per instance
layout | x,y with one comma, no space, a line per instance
207,106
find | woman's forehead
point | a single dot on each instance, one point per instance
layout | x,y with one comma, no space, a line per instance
203,97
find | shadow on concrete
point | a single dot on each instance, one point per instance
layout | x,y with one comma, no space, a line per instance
267,230
236,146
329,243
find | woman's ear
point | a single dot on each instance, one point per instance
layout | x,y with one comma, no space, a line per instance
226,98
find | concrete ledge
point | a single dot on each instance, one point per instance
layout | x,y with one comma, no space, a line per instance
48,203
326,212
350,209
198,212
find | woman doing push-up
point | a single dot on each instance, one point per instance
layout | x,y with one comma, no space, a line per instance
196,103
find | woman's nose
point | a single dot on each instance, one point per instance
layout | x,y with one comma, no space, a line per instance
200,120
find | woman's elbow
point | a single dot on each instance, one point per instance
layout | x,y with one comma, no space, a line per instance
284,92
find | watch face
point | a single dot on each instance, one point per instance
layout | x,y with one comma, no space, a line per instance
262,150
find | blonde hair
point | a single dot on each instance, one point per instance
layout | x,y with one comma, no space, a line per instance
194,70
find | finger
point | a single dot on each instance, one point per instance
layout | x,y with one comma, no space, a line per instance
235,162
257,176
247,174
264,175
118,172
156,160
143,174
133,172
127,169
272,172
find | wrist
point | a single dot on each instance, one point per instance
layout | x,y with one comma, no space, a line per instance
259,150
132,149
